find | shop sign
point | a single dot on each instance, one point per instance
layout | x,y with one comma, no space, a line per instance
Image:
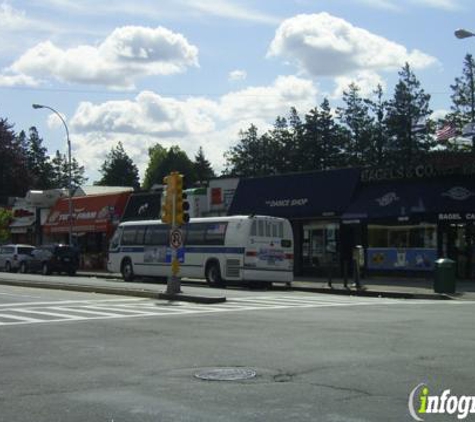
457,216
277,203
421,171
415,259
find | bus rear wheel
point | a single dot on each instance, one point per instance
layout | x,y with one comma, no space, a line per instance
127,270
213,275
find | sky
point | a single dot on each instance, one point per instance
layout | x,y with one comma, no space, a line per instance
195,72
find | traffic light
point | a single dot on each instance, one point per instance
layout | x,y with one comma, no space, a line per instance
182,205
168,198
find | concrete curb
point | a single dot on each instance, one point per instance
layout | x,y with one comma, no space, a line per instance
150,294
82,288
374,293
195,299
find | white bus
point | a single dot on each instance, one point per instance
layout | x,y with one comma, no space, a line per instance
220,249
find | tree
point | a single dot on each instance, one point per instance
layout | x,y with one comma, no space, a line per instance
410,104
14,174
6,217
162,162
463,96
157,155
118,169
38,160
203,169
378,109
249,157
60,172
356,118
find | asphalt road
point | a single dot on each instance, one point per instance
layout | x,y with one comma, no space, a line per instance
67,356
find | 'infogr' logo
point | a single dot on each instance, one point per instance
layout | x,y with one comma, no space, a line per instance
421,403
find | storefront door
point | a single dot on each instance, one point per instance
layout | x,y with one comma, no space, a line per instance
458,244
320,248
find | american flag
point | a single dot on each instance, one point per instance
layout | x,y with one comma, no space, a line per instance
446,132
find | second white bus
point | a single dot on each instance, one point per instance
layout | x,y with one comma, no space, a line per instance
220,249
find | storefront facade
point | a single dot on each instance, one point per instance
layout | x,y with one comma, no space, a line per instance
313,202
407,220
94,219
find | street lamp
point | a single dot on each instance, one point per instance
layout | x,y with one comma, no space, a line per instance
461,34
70,191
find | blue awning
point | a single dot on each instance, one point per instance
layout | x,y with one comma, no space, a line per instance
443,199
302,195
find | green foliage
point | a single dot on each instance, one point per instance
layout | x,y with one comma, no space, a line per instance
162,162
118,169
6,217
202,167
14,174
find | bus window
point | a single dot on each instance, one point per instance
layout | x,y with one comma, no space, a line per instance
156,235
215,233
260,228
128,236
254,228
195,234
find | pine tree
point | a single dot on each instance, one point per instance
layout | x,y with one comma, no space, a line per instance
249,157
378,107
38,161
14,174
356,118
463,97
203,169
410,104
118,169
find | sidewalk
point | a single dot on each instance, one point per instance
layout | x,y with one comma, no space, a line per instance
107,283
371,287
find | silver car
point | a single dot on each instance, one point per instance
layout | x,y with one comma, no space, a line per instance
15,257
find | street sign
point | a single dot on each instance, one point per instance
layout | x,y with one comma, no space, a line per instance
176,238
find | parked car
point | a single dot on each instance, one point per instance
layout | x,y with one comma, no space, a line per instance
15,257
54,258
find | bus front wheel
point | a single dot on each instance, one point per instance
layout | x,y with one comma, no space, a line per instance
127,270
213,275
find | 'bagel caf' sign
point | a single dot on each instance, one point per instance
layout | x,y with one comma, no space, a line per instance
421,171
456,216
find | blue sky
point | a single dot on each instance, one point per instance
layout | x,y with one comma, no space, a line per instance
194,72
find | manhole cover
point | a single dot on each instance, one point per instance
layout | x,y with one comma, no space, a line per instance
226,374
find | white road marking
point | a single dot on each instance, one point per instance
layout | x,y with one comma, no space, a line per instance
102,309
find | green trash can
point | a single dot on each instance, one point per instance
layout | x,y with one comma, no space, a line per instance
444,276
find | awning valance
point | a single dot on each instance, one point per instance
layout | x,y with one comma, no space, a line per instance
300,195
95,213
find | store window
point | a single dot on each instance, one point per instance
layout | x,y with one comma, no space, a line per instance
320,244
420,236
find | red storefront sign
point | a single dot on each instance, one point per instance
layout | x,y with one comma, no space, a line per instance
95,213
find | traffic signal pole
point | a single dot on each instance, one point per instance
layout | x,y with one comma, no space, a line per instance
174,213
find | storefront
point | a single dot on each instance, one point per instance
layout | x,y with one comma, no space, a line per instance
313,202
94,219
406,225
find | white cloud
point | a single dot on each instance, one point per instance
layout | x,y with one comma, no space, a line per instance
150,118
18,80
237,75
324,45
230,9
126,54
367,82
12,19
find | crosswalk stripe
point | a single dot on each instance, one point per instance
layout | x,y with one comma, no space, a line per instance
17,318
53,314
